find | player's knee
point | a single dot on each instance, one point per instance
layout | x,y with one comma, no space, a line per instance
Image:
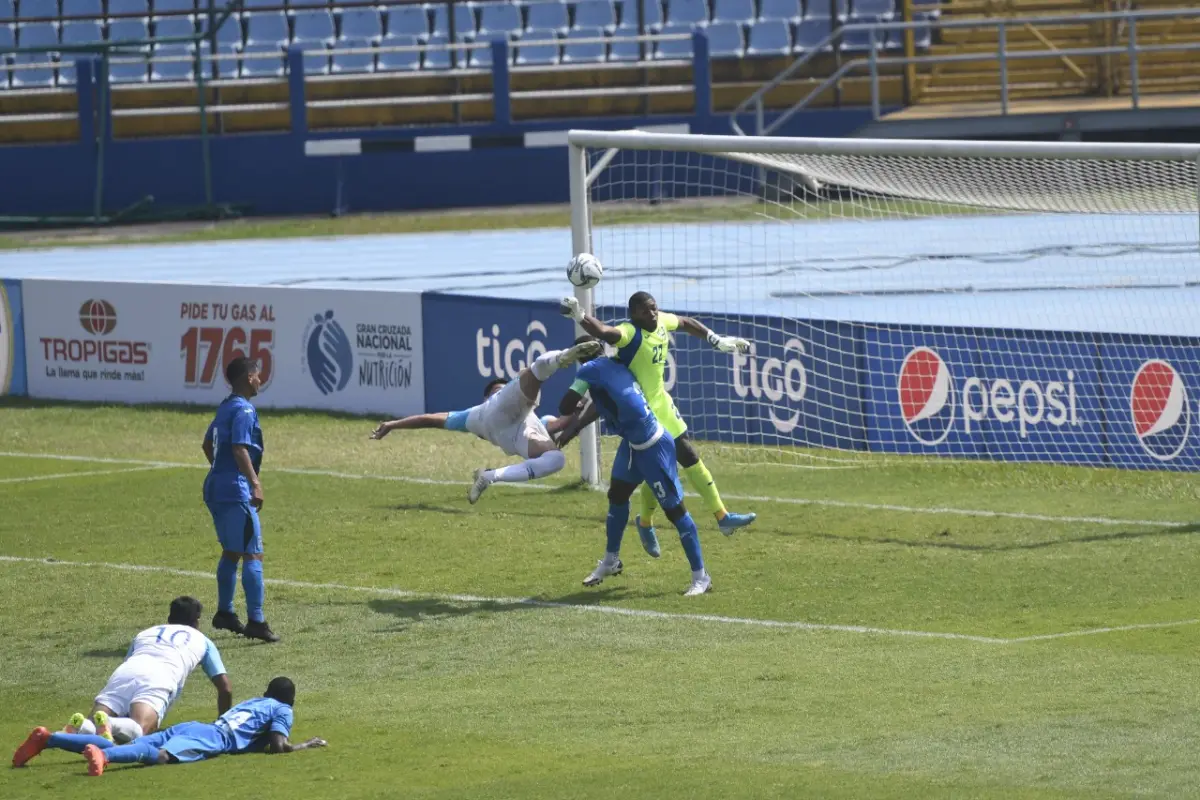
619,493
231,555
685,453
164,757
675,514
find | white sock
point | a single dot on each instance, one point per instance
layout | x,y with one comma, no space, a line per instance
697,574
124,730
611,559
546,365
531,469
88,728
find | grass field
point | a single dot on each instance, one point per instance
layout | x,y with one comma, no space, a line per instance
410,631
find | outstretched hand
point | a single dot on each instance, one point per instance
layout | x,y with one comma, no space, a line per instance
569,307
381,431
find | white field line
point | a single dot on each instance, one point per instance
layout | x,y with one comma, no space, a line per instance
797,501
602,609
87,474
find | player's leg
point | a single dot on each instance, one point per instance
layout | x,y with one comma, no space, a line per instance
147,750
532,377
705,485
229,521
531,441
621,485
658,466
252,578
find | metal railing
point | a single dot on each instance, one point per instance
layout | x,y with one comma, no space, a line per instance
873,62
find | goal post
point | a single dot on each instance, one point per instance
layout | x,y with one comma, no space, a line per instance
1006,301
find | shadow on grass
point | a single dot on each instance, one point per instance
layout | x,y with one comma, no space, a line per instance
114,653
947,543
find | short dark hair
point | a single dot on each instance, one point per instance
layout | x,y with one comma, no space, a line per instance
639,299
494,382
239,368
281,689
585,338
185,610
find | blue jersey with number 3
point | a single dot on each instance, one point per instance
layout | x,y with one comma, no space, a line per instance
247,724
236,422
618,397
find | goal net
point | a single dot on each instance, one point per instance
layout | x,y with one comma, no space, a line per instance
983,300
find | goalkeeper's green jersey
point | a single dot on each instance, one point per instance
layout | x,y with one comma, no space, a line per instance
645,354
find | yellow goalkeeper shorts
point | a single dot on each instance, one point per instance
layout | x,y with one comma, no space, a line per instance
668,416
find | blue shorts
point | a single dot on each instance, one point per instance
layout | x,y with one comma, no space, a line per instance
190,741
656,466
237,526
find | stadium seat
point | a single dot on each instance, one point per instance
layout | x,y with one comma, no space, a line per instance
734,11
629,14
622,46
822,9
313,26
481,57
550,15
262,67
674,49
172,70
787,10
435,59
316,57
810,33
225,64
266,27
687,12
464,22
77,32
37,9
6,40
575,52
89,9
253,5
125,8
365,23
499,18
36,78
770,37
229,34
349,63
173,27
407,21
883,9
725,40
595,14
7,12
859,41
539,54
171,6
128,30
127,68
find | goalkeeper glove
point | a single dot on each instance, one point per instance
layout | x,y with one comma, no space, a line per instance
728,344
569,307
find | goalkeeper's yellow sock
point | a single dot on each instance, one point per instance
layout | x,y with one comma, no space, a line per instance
704,485
649,504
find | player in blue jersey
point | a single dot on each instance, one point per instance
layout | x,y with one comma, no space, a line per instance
234,495
646,454
259,725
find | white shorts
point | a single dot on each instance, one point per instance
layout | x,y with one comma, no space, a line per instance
129,685
507,420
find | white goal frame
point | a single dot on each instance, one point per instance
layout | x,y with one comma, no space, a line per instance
583,174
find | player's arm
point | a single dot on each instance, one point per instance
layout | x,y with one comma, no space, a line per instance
576,423
214,668
570,307
207,447
278,743
242,432
694,327
414,422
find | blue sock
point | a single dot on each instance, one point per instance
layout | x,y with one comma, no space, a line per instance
618,518
690,538
136,752
75,742
226,584
252,584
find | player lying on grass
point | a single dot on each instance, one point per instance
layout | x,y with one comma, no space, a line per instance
642,345
137,696
506,418
259,725
646,455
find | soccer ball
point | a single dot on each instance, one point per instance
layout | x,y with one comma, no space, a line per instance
584,270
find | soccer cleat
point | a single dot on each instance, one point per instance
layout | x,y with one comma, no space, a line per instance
260,630
96,760
603,570
34,744
103,728
648,536
228,621
699,585
75,723
482,482
580,352
731,522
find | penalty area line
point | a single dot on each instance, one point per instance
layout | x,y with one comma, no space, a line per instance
85,474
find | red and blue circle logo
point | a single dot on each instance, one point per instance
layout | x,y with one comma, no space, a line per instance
926,399
1159,410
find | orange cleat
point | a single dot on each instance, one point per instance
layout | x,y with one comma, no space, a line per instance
35,744
96,760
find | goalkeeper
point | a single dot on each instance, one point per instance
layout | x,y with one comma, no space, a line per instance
642,347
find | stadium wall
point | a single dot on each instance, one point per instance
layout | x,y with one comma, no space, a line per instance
1093,399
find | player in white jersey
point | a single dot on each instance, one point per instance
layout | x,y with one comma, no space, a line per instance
136,698
506,418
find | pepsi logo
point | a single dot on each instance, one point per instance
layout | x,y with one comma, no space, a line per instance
926,402
98,317
1159,410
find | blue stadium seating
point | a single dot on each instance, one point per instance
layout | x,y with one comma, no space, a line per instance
35,9
481,57
6,40
770,37
266,27
741,11
364,23
78,32
408,21
252,5
173,27
464,22
725,40
922,36
123,7
821,9
595,14
171,6
41,77
550,15
884,9
313,26
687,12
499,18
82,8
408,60
127,68
172,70
226,66
583,52
439,58
316,58
346,63
262,67
859,41
810,33
128,30
629,14
539,54
674,49
623,48
7,12
788,10
229,34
